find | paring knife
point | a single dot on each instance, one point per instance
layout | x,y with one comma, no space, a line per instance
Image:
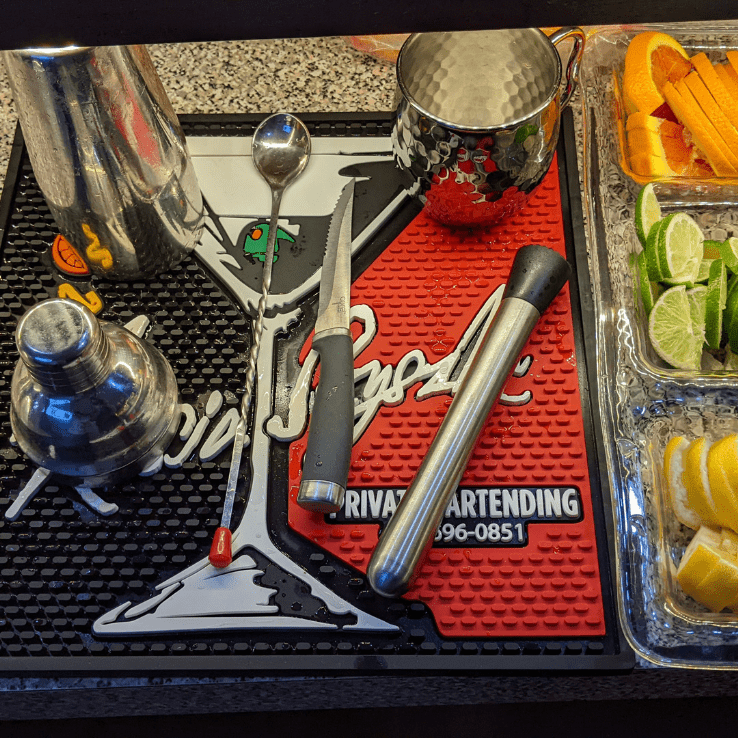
330,436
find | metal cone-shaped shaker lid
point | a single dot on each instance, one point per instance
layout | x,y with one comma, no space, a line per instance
474,80
62,345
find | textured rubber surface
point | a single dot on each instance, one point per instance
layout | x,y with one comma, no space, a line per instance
546,602
425,289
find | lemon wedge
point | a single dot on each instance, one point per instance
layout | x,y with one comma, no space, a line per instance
729,542
674,471
696,481
722,473
707,572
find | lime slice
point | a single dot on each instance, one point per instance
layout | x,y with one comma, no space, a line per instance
704,273
729,253
732,284
647,212
672,331
717,296
731,327
731,361
652,256
731,331
649,290
711,249
731,304
679,248
698,308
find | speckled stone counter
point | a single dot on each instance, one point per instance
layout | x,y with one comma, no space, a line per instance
301,75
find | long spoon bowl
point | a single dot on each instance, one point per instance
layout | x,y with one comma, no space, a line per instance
280,150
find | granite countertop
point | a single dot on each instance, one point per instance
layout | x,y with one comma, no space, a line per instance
300,75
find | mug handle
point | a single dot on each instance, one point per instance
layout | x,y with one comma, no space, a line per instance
575,58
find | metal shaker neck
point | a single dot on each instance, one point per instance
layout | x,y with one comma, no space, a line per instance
63,346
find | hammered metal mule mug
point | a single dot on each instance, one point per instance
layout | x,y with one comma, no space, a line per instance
109,156
478,114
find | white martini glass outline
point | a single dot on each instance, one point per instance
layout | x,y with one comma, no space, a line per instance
252,531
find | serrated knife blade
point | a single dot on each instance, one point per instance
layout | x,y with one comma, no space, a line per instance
335,281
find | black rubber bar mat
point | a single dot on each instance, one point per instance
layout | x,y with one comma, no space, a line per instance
520,575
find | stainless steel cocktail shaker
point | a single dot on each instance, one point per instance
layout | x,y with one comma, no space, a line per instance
90,401
109,156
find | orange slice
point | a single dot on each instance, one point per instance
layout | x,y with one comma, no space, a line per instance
731,74
642,120
716,88
703,132
712,110
733,60
689,98
67,258
729,80
652,60
645,144
657,148
668,129
651,165
677,143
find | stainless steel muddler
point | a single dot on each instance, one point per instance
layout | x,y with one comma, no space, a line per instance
537,275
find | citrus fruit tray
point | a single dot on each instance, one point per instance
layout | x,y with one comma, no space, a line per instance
646,402
606,52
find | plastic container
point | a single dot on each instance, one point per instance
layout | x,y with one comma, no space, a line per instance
644,403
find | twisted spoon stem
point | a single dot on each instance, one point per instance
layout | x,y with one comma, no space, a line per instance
258,327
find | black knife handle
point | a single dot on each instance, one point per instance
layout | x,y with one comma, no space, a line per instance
330,436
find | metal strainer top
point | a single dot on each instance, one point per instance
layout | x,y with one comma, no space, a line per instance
475,80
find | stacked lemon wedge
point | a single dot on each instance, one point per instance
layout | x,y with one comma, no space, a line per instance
702,479
708,571
682,112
